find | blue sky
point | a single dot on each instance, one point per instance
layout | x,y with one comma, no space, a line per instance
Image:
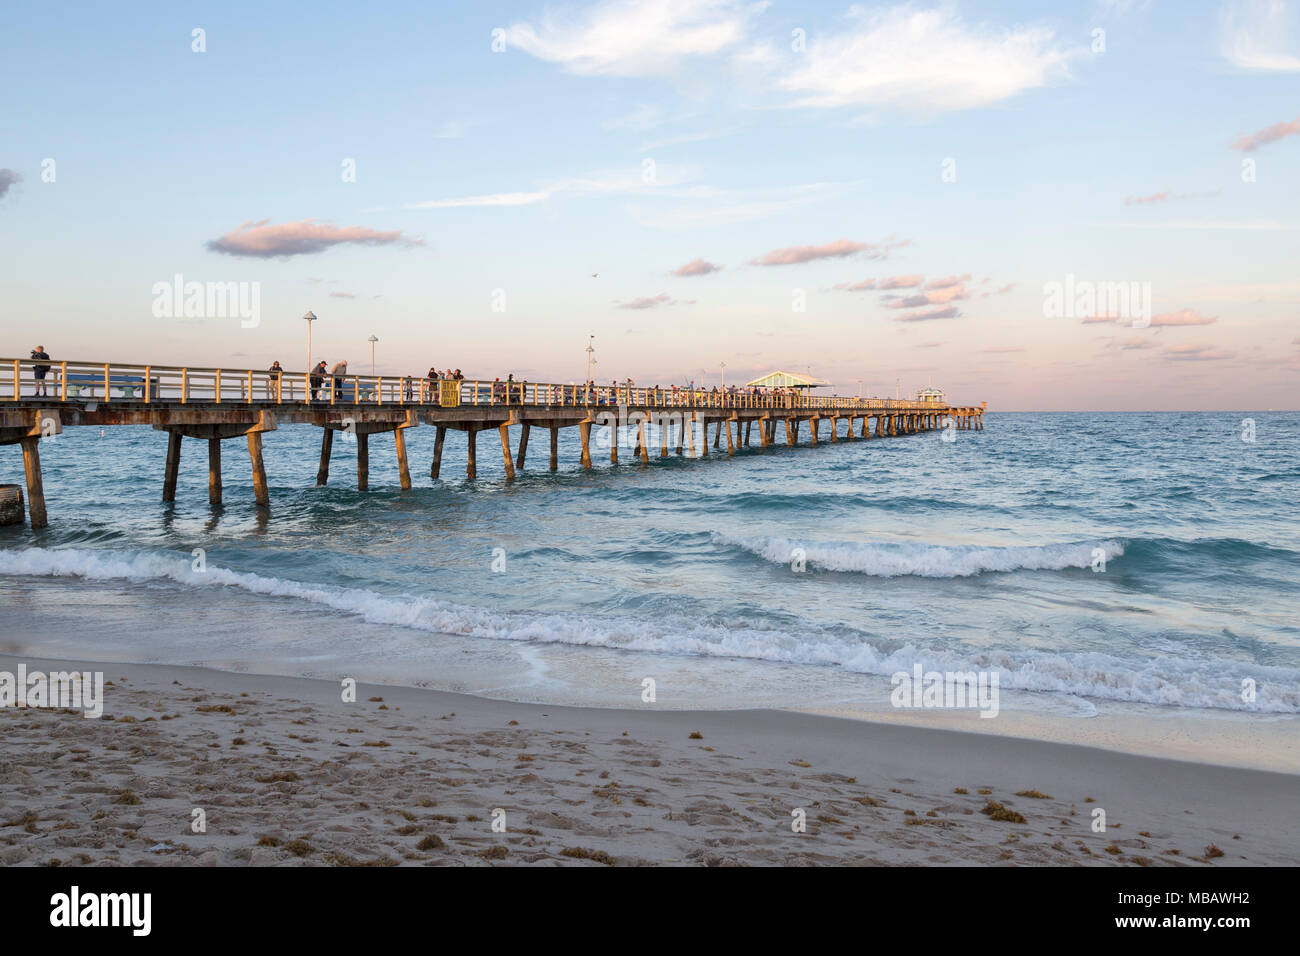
628,140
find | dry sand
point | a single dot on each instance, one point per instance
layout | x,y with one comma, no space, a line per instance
286,773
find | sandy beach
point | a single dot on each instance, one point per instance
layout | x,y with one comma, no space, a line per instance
286,773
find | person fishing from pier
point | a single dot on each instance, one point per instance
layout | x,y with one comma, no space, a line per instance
317,378
338,373
40,371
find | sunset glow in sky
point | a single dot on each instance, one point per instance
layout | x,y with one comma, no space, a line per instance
884,194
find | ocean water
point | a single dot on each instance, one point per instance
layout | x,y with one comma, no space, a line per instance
980,554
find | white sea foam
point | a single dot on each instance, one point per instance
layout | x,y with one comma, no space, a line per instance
892,559
1186,681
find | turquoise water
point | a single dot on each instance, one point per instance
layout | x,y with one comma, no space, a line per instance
974,554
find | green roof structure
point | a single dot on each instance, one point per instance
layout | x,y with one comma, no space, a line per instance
786,380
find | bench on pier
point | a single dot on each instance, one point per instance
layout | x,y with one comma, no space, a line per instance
348,394
127,385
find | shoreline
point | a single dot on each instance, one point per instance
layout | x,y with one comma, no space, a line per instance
59,620
287,773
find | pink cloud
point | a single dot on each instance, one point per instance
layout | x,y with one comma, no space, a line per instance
940,296
1196,353
1183,317
1270,134
794,255
697,267
862,286
258,240
1154,197
649,303
1005,348
901,282
947,313
1138,343
928,345
947,281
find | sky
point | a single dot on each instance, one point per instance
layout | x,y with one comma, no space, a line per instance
884,196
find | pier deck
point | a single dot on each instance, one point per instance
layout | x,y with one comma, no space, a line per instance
218,404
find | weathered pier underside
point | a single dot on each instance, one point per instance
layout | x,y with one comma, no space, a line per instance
215,405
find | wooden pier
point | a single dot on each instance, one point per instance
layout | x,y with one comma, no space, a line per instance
214,405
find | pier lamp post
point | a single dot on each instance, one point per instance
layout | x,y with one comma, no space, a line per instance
723,366
310,317
372,340
591,350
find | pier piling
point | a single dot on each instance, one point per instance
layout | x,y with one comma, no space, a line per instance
471,469
214,471
440,436
35,487
504,431
584,429
523,445
260,492
363,461
326,447
403,470
173,468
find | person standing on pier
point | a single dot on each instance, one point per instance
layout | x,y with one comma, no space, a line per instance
40,371
339,372
317,378
273,380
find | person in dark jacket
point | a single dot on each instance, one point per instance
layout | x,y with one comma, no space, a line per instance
40,370
317,378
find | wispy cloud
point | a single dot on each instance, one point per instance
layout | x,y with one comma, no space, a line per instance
796,255
1269,134
1259,35
1196,353
608,183
307,237
946,282
839,249
7,178
629,38
1165,319
696,267
1154,197
950,312
863,286
651,302
901,282
1137,343
342,295
939,296
924,60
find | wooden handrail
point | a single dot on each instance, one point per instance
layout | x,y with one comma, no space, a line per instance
170,383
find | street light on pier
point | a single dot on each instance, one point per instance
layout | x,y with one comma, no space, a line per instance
372,340
590,350
310,317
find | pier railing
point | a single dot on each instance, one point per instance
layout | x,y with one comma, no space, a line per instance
119,382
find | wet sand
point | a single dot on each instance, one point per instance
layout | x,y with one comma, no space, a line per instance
286,773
